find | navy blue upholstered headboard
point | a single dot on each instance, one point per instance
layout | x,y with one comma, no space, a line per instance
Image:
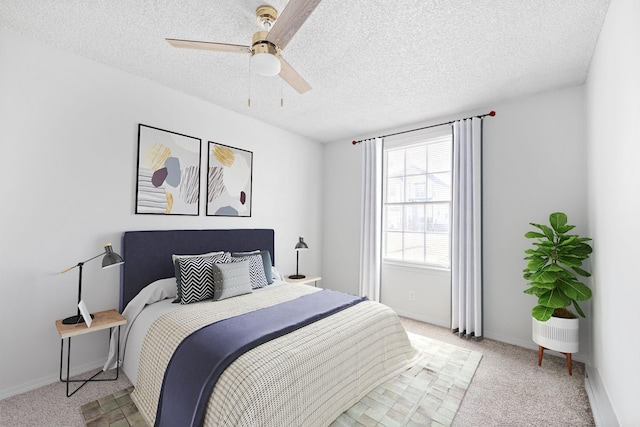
147,254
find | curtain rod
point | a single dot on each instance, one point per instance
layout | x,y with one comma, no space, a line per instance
490,113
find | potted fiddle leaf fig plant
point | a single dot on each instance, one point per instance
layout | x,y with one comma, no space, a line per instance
553,270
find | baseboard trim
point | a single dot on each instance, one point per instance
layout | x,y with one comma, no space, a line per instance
421,318
603,413
49,379
578,357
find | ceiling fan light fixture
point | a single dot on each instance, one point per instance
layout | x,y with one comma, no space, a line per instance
265,64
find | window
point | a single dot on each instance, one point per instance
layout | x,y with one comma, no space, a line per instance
417,198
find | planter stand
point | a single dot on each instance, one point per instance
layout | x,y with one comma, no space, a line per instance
566,355
556,334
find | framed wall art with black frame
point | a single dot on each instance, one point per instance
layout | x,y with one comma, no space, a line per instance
168,178
229,181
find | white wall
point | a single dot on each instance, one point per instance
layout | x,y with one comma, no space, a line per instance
613,93
68,133
534,164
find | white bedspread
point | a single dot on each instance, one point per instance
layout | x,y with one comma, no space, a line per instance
308,377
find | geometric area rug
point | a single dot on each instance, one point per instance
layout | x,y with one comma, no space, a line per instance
427,394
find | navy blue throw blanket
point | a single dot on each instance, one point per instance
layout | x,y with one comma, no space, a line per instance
200,359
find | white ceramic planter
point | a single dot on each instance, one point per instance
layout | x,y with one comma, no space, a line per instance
557,334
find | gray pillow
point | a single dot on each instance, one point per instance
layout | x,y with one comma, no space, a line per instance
230,280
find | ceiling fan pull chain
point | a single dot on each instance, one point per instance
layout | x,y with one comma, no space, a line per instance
249,99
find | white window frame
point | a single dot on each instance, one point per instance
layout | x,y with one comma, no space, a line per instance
406,141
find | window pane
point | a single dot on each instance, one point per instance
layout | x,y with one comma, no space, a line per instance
437,248
414,218
393,218
439,187
416,160
437,217
416,188
439,157
395,190
417,201
393,246
414,247
395,162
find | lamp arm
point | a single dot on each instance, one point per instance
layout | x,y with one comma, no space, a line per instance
80,264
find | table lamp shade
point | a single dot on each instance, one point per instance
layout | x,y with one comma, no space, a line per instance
111,258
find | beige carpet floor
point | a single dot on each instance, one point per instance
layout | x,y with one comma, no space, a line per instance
508,389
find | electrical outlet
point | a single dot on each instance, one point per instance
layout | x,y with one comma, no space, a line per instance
412,296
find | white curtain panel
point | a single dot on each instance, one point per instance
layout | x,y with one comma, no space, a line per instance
371,228
466,229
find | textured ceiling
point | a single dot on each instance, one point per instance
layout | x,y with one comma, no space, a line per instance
373,65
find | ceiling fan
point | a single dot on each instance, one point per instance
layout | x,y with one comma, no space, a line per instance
266,46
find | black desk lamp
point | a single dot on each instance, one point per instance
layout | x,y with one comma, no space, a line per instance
110,259
299,246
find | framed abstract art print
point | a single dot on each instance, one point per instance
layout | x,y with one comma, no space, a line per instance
229,180
168,179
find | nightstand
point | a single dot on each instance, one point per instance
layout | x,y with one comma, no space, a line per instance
103,320
307,279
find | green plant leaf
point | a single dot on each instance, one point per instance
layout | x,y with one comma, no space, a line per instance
558,220
542,285
578,309
543,277
582,249
583,293
565,229
537,263
553,268
567,240
542,313
570,261
534,235
548,232
554,298
566,288
581,272
534,291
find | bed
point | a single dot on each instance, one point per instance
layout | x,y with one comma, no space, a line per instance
307,375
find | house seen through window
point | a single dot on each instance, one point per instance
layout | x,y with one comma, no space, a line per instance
417,199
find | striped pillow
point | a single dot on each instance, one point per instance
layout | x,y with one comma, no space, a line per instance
196,279
256,269
218,257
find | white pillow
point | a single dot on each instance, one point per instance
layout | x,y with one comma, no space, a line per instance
275,274
174,257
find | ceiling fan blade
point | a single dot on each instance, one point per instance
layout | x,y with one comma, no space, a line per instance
290,20
218,47
292,77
